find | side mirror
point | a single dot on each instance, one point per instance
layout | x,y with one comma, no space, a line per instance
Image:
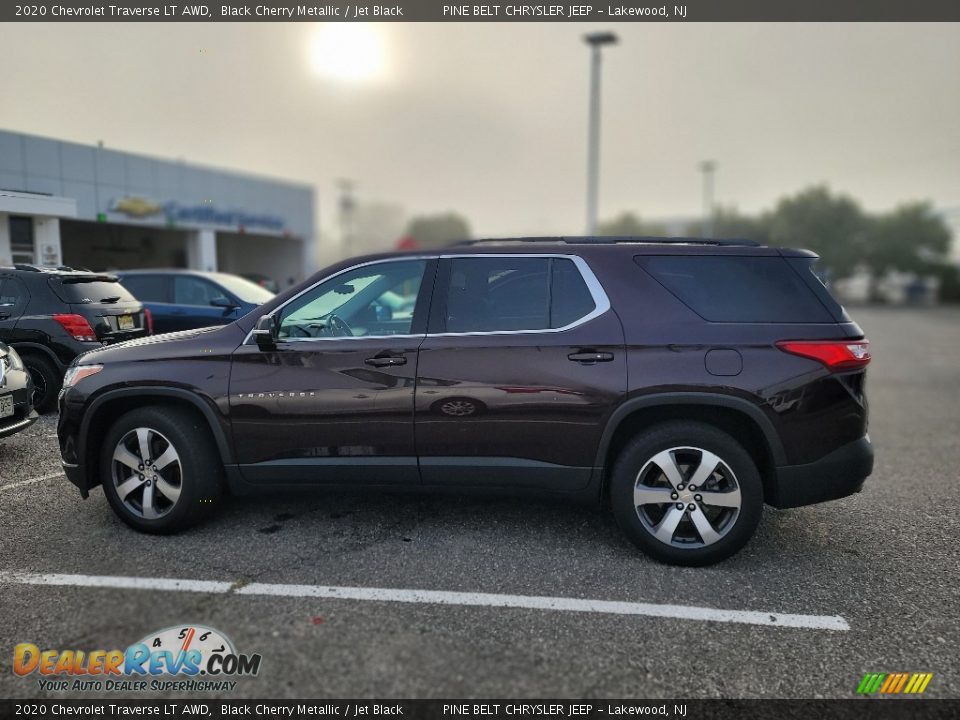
223,302
265,332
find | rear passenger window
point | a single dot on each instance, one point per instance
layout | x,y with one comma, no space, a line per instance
517,293
737,289
10,292
147,288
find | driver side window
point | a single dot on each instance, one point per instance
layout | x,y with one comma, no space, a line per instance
377,299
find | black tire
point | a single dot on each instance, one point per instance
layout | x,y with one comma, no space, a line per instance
199,477
46,381
687,441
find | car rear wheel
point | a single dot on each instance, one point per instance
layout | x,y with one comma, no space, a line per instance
46,381
160,470
686,493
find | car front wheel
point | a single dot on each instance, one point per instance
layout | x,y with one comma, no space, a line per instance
160,470
686,493
46,381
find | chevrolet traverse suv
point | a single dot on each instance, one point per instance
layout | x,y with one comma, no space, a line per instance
685,382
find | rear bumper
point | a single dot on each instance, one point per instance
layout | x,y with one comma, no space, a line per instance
836,475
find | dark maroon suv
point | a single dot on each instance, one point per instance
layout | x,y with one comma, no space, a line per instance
686,382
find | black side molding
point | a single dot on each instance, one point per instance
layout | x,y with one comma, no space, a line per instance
693,398
145,392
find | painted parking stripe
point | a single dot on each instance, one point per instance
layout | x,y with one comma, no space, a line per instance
439,597
31,481
114,582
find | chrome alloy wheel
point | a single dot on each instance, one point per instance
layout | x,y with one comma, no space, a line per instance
147,473
458,408
687,497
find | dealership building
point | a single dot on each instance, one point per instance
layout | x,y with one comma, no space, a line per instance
62,203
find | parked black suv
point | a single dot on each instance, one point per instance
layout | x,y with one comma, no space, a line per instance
687,382
51,315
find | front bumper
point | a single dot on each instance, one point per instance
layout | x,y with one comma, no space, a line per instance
836,475
12,425
77,475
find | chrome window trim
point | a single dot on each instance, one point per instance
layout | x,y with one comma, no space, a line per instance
601,303
600,300
277,310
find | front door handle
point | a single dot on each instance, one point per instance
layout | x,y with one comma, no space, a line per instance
590,356
386,360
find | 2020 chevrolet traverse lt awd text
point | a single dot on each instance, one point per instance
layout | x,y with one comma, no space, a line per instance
684,381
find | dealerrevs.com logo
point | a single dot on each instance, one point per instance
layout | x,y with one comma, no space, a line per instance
181,658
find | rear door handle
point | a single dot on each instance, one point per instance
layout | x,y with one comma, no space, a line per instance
386,361
590,357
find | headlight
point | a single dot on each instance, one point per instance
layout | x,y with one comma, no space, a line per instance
76,373
13,360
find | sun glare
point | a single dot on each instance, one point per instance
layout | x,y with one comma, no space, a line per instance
348,51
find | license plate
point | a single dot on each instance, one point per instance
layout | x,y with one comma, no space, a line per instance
125,322
6,405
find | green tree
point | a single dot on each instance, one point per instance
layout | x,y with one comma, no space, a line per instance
730,224
833,226
910,238
628,224
435,231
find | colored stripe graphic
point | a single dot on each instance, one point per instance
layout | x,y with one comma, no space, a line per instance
864,684
894,683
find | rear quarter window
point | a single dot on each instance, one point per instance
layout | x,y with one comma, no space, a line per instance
726,288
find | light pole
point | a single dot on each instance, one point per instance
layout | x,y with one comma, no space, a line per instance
708,167
596,41
347,204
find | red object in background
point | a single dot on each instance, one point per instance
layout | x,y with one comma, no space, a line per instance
77,326
148,317
407,242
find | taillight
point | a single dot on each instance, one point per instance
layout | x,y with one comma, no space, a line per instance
836,355
77,326
148,319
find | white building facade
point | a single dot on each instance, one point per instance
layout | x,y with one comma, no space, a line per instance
63,203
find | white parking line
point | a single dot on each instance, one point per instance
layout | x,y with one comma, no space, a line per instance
437,597
11,486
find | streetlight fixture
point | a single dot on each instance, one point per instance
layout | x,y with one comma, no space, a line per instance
596,41
708,167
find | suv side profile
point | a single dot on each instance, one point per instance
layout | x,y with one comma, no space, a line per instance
686,382
52,314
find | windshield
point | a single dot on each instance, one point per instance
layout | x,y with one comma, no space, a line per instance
244,290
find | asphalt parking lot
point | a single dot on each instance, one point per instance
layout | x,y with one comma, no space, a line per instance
885,562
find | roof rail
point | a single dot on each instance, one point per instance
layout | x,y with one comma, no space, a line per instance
616,240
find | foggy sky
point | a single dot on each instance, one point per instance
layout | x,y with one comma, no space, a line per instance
490,119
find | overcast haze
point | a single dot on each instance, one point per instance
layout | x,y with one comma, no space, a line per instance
490,119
